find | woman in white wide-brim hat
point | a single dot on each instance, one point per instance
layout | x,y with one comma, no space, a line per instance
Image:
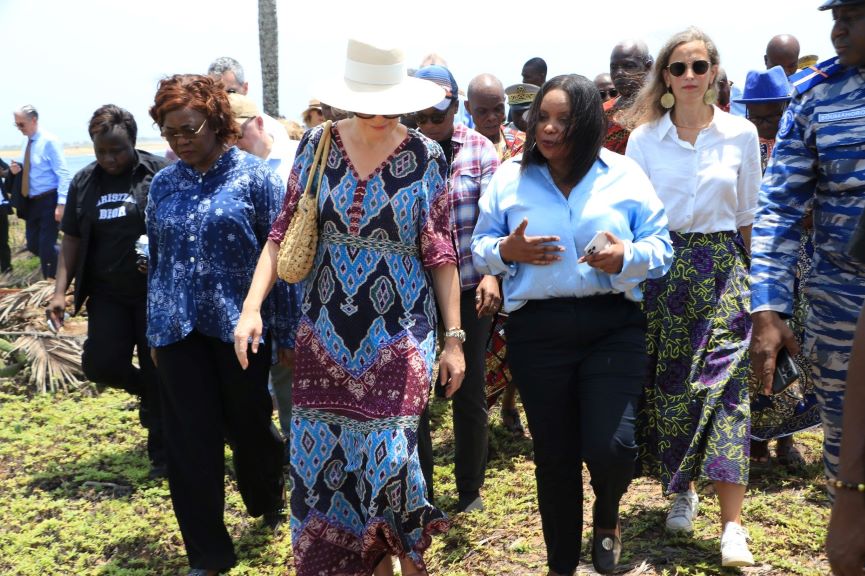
365,342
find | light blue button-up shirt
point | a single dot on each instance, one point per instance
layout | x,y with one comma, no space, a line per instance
614,196
48,169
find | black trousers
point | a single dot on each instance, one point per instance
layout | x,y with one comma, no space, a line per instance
5,251
470,416
579,365
114,329
40,231
206,395
471,428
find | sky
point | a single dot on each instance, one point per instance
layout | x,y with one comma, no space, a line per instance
68,57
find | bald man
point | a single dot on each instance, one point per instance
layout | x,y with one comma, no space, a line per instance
630,62
605,87
783,51
486,104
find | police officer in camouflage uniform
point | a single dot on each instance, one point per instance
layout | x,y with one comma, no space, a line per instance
819,161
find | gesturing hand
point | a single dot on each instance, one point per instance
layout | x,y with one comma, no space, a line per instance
517,247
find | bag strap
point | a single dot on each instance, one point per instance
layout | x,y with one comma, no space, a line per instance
319,161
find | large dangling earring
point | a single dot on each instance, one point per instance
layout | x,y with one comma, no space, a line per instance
668,100
710,96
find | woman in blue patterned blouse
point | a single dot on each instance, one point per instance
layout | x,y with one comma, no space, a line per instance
208,217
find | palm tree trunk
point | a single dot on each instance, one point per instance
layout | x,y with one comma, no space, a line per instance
268,46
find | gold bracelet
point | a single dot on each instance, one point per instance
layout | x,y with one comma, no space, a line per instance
857,486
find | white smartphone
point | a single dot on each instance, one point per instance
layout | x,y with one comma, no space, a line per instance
598,243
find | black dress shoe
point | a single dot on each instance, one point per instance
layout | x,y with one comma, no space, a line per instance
606,550
275,519
202,572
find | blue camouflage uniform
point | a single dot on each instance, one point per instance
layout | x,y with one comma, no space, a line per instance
819,161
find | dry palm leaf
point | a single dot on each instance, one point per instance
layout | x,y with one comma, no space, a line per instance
27,299
55,363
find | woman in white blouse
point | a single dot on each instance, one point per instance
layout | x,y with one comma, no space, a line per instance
705,166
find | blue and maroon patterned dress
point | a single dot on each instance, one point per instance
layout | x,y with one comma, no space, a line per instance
364,356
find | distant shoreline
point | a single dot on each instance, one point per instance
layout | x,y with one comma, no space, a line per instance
83,150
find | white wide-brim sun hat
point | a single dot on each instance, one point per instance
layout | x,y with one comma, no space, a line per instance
375,82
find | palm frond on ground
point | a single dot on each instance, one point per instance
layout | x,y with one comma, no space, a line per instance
48,362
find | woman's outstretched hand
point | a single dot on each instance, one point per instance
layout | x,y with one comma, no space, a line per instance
517,247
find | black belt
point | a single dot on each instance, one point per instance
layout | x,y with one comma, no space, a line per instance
49,194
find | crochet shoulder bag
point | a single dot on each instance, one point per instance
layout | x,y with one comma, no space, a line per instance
297,250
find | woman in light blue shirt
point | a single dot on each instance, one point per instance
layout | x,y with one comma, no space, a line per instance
576,334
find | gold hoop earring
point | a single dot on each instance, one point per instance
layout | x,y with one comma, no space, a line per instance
668,100
710,96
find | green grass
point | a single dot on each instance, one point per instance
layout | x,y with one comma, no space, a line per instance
75,499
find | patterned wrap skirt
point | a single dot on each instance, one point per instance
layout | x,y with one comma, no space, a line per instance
695,420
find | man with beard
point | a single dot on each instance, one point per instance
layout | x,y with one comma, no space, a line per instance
630,61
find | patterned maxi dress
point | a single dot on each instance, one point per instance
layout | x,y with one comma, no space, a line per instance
364,357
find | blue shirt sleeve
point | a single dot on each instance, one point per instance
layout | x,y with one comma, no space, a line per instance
54,151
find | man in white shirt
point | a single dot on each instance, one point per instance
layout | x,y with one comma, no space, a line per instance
274,147
231,73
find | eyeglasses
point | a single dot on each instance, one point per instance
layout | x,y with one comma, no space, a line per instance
371,116
612,93
699,67
185,133
768,119
420,118
19,125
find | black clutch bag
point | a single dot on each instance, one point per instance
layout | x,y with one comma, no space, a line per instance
786,371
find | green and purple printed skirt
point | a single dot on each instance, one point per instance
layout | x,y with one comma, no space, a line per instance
695,420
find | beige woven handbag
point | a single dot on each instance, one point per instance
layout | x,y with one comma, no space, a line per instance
297,251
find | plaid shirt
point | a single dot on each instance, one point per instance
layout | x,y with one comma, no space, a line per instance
474,162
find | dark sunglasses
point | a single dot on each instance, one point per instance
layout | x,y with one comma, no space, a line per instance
612,93
371,116
420,118
699,67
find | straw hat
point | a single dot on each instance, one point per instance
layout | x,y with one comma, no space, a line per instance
375,82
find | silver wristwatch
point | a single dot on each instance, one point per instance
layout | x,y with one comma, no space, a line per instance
457,333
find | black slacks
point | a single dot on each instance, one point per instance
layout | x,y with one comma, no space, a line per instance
114,329
579,365
470,416
5,250
206,397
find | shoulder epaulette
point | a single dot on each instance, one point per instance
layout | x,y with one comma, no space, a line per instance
807,78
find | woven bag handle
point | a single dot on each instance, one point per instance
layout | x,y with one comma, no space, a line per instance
320,159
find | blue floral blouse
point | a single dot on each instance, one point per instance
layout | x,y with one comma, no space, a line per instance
206,232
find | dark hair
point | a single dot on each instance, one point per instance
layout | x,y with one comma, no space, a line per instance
110,116
536,63
201,93
587,125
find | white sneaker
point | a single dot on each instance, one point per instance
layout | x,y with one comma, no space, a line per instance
734,546
680,518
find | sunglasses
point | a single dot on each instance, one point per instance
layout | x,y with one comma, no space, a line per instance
420,118
371,116
612,93
184,132
19,125
699,67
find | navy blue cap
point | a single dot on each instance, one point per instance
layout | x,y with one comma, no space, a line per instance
443,77
829,4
